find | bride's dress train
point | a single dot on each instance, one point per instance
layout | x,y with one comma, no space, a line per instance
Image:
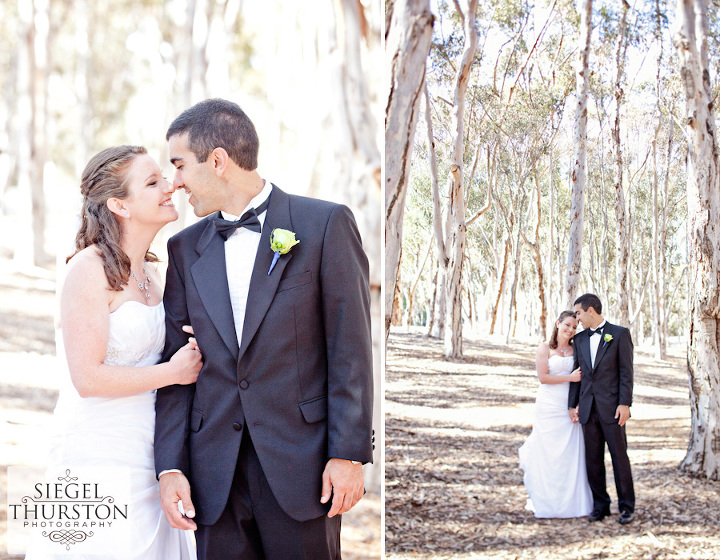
553,457
119,432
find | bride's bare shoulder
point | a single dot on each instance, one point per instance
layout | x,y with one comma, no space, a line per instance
87,264
543,349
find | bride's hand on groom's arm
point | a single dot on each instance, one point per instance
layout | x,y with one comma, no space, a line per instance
174,487
345,482
623,413
574,415
187,362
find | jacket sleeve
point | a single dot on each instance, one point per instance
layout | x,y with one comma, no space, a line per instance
344,276
625,368
174,402
574,391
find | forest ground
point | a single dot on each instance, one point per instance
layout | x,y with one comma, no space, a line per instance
29,389
453,485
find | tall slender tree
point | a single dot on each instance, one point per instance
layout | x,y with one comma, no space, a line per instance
622,238
407,44
579,171
703,196
456,182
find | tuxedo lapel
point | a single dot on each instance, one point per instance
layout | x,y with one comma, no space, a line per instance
263,286
602,347
585,355
209,274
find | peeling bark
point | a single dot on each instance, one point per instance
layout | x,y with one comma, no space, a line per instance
703,196
408,41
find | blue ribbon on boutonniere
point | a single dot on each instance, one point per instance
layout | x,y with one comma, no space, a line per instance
281,241
607,339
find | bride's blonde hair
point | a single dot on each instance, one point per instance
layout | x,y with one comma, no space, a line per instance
553,338
105,177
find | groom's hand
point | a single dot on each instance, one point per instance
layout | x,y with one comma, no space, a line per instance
345,482
173,488
622,412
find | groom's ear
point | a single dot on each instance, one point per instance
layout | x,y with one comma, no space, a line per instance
220,160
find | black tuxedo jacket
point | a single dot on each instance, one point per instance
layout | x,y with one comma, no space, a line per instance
610,382
300,378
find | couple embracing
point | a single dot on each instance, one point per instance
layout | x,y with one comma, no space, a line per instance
258,424
586,381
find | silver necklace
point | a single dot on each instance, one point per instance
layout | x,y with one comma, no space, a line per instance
565,351
144,286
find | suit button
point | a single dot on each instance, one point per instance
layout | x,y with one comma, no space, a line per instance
244,384
237,427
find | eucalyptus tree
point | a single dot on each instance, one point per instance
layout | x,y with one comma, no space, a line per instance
579,171
703,199
407,43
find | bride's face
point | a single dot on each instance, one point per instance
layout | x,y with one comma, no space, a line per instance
566,329
150,199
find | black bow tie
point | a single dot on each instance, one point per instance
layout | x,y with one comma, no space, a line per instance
249,220
596,331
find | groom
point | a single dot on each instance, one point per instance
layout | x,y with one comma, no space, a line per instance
266,449
604,354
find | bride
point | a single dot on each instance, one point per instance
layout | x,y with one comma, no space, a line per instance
553,457
113,329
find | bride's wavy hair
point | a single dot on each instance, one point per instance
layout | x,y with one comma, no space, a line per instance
553,338
105,177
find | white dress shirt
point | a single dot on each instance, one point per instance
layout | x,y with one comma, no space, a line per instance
595,343
240,251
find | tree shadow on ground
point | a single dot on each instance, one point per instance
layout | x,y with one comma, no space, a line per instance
453,488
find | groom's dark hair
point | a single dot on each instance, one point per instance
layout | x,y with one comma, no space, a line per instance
590,300
217,123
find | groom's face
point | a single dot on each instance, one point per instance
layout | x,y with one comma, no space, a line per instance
194,177
583,316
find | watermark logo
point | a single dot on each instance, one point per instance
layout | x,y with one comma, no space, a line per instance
76,510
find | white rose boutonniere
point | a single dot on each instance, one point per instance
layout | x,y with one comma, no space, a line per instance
281,241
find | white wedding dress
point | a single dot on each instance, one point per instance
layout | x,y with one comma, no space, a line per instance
119,432
553,457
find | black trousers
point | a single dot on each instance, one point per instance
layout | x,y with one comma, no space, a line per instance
597,434
253,526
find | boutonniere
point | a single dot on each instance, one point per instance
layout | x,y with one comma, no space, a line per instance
281,241
608,339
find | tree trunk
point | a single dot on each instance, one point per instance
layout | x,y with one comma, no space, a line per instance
84,129
551,239
577,205
200,36
438,323
407,45
397,311
658,296
666,301
512,311
501,287
659,236
622,241
703,197
433,301
25,244
456,203
537,256
415,282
